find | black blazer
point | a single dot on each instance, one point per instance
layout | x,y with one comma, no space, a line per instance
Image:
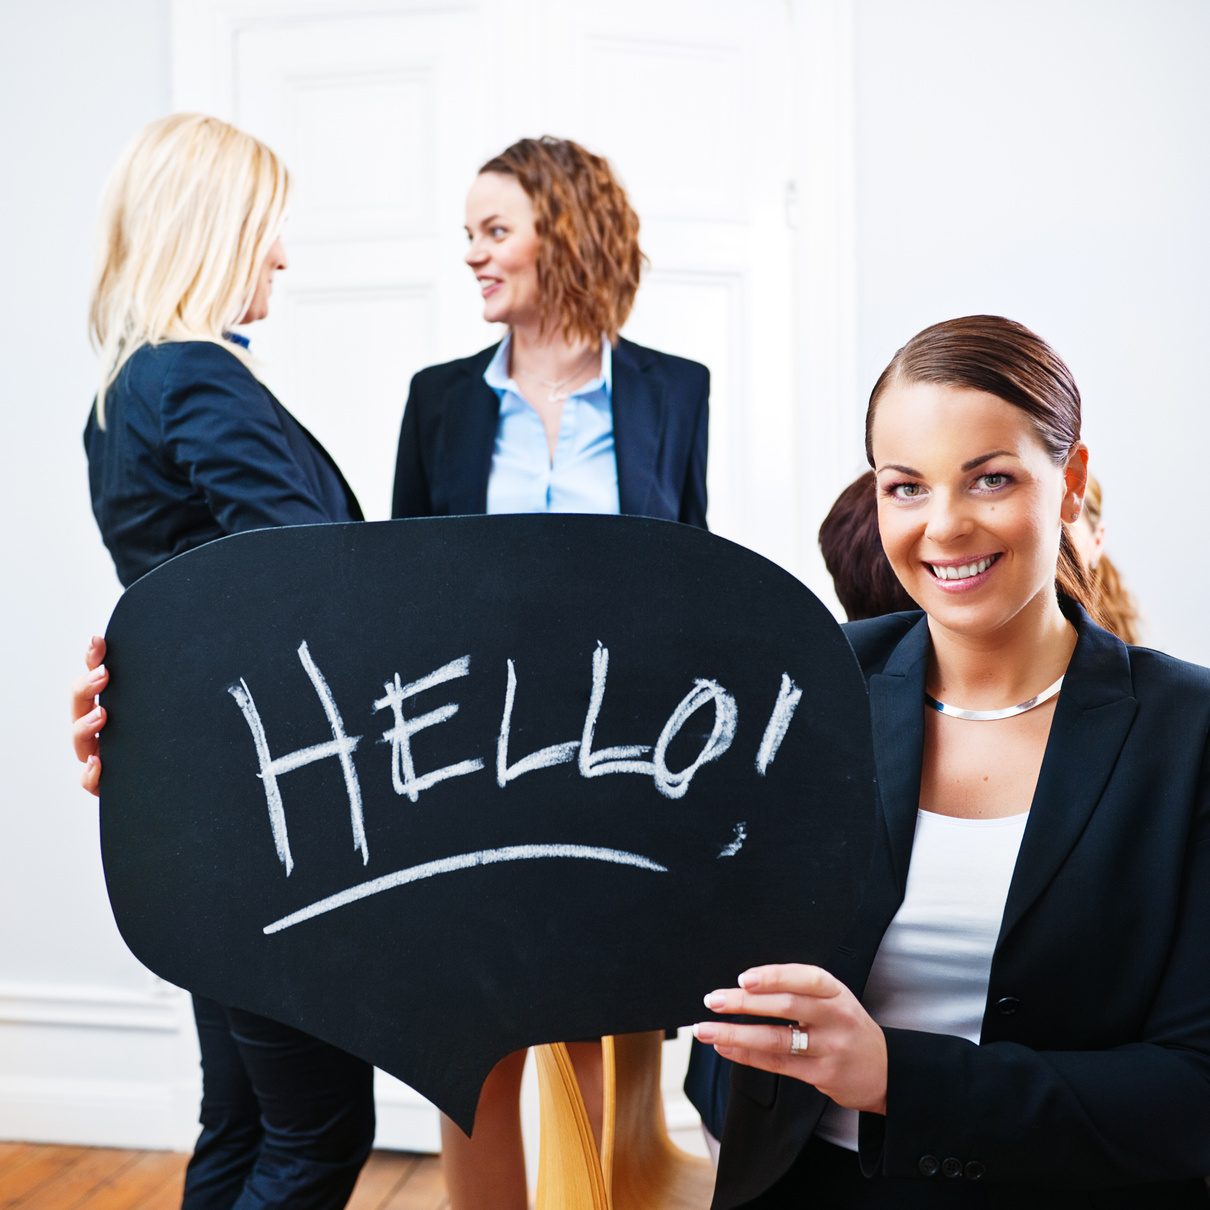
1094,1068
195,447
660,431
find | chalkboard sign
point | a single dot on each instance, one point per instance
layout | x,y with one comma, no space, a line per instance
435,790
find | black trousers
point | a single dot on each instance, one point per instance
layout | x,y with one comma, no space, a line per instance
825,1177
287,1120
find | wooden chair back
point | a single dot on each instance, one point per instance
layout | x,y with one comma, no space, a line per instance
639,1167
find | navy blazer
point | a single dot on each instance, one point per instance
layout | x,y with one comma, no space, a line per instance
660,431
1093,1072
195,447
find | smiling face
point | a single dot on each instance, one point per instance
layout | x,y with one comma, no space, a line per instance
503,252
970,503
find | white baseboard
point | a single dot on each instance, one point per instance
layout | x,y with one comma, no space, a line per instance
99,1113
108,1067
98,1066
118,1067
157,1007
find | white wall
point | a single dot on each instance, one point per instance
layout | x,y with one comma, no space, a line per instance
1044,159
1047,160
91,1047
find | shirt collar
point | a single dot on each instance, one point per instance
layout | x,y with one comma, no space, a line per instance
496,375
236,339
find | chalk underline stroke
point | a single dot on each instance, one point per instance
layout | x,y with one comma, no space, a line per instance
463,861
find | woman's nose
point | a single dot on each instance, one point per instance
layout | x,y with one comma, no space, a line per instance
474,254
948,519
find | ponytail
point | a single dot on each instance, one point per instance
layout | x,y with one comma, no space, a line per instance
1074,580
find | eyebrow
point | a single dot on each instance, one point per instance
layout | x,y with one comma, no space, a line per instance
966,466
484,222
974,462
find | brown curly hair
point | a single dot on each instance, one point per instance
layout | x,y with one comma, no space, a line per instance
588,235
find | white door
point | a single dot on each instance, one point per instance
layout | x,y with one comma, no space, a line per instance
690,101
383,113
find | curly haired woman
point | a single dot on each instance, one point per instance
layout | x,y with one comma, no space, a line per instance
562,416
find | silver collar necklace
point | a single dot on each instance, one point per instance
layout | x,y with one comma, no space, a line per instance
987,716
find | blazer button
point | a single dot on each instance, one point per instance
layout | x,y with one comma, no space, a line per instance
930,1165
975,1171
1007,1006
952,1167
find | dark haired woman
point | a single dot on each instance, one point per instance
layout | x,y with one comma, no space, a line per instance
1021,1014
865,582
562,416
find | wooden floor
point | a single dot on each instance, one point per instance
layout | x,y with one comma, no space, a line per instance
38,1177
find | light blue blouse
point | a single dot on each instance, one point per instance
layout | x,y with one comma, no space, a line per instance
584,475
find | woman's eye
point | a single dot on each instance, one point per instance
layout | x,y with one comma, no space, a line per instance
992,482
907,491
497,233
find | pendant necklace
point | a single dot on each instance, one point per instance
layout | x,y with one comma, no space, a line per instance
552,387
987,716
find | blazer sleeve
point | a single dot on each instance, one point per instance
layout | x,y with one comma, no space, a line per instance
220,427
693,494
411,496
1133,1113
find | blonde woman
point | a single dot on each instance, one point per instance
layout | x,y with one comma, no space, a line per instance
185,445
1119,611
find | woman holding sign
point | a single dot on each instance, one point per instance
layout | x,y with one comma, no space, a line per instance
1021,1013
563,415
185,445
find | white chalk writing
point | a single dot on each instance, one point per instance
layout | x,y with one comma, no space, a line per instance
726,715
741,834
464,861
403,767
626,758
788,697
341,746
607,760
544,758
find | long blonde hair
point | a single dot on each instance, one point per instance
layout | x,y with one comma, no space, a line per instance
187,217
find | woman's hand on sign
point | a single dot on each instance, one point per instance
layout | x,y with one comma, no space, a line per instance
845,1053
87,717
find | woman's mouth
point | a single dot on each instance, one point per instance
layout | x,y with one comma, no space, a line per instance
488,285
965,574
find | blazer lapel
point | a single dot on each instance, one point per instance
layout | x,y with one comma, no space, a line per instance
1092,719
897,717
638,421
467,440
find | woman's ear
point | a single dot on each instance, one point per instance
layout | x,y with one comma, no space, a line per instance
1076,480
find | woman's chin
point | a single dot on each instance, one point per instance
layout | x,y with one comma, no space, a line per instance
971,615
495,312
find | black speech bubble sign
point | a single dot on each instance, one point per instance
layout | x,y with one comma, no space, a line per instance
303,812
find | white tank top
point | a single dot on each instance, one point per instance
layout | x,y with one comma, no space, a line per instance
933,966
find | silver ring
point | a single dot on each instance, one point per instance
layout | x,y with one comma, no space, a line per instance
798,1040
